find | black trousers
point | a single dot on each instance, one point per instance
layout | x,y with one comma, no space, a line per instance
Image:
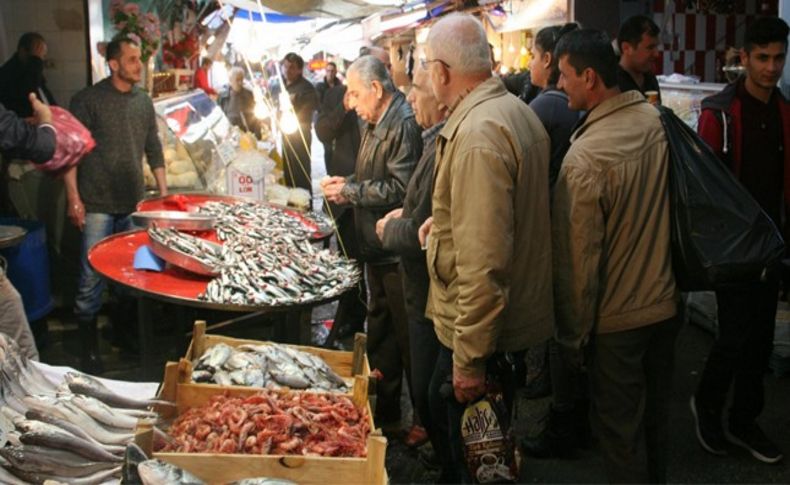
388,339
351,308
740,354
296,157
424,350
631,378
446,412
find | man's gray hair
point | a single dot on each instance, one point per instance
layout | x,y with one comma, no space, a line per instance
460,40
370,69
236,71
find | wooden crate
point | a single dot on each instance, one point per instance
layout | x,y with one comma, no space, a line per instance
224,468
346,364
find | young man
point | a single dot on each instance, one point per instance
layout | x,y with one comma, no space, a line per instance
23,74
613,280
105,188
638,44
748,125
296,146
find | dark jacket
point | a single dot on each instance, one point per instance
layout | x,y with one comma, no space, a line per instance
340,129
322,87
626,83
240,113
19,139
304,99
720,125
400,235
386,160
551,106
20,78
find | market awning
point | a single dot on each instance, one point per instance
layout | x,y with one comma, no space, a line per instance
319,8
527,14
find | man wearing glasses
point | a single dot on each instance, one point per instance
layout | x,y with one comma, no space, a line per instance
489,253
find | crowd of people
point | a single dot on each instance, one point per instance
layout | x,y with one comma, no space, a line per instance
486,226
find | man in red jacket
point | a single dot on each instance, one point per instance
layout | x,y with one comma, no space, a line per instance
748,125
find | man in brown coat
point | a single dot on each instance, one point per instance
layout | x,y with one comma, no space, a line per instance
613,280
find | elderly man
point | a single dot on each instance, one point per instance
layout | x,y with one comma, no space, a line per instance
613,276
398,232
391,146
296,146
238,102
489,251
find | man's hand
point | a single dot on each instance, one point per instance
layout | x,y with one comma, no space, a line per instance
468,387
332,187
394,213
41,112
382,223
424,230
76,213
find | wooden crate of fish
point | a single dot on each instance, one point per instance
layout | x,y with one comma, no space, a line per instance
225,361
306,437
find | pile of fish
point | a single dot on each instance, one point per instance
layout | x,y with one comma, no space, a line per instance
279,271
204,251
73,433
259,220
268,365
273,422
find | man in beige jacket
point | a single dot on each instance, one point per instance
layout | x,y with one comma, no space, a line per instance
489,249
613,280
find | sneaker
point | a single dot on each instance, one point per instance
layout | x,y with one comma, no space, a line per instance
710,432
753,439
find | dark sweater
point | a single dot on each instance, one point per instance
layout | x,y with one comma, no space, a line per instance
552,109
18,79
124,127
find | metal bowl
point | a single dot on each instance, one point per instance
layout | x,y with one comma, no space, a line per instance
11,236
183,260
183,221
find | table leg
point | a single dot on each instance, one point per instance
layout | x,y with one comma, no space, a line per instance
146,330
296,328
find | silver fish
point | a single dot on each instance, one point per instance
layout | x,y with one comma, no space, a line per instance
90,386
6,478
103,413
263,481
46,435
35,459
158,472
93,479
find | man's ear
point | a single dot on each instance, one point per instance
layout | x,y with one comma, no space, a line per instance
114,64
378,88
590,78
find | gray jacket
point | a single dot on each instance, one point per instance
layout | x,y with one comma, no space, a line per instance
387,157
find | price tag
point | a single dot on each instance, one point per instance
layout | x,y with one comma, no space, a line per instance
226,152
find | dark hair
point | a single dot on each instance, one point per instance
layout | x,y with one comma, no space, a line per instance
764,31
589,48
294,58
546,41
29,40
206,60
114,47
330,63
632,29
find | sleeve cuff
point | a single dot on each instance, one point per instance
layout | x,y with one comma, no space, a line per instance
48,125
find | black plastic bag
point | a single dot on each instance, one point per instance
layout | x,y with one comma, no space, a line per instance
721,237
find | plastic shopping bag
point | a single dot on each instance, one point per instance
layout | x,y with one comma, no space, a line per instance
721,237
74,141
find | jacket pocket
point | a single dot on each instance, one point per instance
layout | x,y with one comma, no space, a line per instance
441,265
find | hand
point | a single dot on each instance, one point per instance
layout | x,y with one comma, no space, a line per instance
424,230
333,190
380,225
468,387
76,213
394,213
332,180
41,112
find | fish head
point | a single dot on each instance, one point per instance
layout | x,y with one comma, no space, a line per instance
158,472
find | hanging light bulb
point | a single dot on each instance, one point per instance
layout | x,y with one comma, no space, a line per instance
288,122
261,110
497,52
510,48
523,50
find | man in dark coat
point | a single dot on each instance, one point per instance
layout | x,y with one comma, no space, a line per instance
296,146
23,74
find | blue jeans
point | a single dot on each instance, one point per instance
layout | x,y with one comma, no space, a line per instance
89,291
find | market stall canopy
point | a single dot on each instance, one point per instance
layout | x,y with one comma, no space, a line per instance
527,14
319,8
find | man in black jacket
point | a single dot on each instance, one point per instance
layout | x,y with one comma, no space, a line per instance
23,74
36,143
296,146
391,146
398,233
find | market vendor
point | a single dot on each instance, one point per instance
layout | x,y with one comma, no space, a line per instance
35,142
296,146
104,189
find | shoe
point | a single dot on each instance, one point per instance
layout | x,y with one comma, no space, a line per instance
710,433
416,437
753,439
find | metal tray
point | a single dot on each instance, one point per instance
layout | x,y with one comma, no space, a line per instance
11,236
183,221
183,260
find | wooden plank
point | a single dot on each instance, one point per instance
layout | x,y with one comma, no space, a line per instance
360,353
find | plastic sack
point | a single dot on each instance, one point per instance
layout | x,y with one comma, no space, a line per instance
721,237
73,141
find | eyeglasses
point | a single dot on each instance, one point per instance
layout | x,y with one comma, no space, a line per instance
424,63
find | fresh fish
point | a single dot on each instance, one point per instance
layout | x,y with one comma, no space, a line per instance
103,413
222,378
263,481
63,406
290,379
215,357
90,386
37,415
93,479
6,478
48,461
202,376
157,472
46,435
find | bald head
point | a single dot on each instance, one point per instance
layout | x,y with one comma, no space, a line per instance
460,41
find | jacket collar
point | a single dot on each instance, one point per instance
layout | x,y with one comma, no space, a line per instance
429,134
611,105
382,128
488,89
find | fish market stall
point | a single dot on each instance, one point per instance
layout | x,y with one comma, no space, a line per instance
261,260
